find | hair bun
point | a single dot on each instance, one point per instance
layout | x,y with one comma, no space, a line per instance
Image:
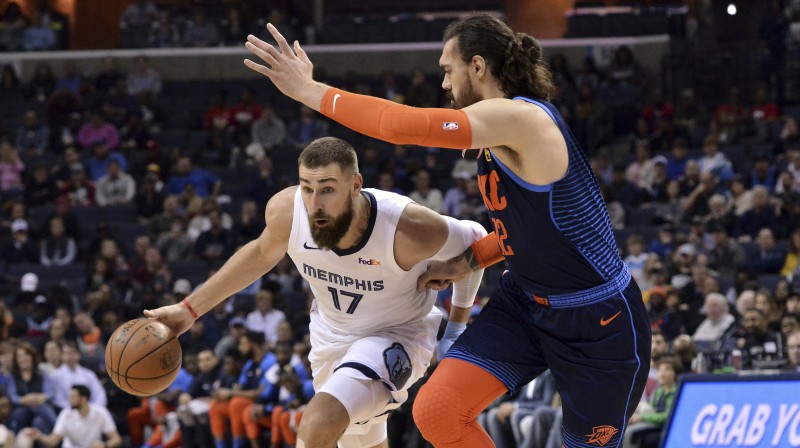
529,45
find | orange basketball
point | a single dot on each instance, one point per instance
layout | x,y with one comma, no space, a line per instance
143,357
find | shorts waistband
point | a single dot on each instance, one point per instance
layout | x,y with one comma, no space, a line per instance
587,296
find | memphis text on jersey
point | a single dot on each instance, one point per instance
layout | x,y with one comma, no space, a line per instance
343,280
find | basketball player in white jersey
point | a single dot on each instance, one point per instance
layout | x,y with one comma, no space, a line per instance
361,250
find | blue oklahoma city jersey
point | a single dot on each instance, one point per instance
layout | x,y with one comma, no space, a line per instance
557,238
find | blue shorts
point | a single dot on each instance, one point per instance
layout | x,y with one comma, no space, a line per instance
596,345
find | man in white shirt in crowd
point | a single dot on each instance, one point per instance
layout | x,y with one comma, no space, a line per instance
717,320
71,373
265,318
82,425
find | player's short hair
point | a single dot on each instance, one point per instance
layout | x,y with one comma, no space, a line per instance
327,150
83,391
515,59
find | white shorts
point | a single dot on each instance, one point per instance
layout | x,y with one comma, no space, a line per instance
398,357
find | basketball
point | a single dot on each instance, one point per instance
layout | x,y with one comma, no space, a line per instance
143,357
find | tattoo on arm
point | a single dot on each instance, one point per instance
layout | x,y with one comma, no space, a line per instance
472,260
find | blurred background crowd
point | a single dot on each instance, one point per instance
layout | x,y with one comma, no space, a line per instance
123,190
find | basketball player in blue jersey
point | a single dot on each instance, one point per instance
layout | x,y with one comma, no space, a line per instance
567,301
362,252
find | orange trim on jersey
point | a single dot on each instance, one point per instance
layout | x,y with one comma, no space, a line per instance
487,250
396,123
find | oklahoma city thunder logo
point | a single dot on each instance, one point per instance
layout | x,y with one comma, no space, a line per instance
398,363
601,434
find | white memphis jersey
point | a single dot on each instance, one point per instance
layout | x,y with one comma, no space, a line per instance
362,289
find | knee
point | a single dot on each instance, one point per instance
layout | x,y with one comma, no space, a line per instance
437,411
321,428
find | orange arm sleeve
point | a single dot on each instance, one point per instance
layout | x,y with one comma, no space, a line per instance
487,250
396,123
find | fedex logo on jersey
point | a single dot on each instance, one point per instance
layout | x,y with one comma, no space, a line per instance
369,261
450,126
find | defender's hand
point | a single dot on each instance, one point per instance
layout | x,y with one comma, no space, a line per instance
288,68
441,273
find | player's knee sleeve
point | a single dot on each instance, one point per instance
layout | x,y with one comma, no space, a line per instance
437,413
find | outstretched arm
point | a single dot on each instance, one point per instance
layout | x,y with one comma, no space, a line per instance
248,264
488,123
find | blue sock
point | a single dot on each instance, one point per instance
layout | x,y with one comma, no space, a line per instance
239,442
220,443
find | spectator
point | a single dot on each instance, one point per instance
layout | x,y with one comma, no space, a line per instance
217,242
792,259
38,36
636,258
13,27
11,168
697,203
720,214
32,137
624,68
164,33
9,83
305,129
70,374
420,93
30,391
149,201
663,317
115,187
70,80
143,78
758,343
218,116
40,189
175,244
78,190
741,197
20,249
764,172
81,424
265,318
769,258
424,194
58,249
236,329
761,216
717,320
765,302
793,350
623,190
101,159
42,83
714,161
98,130
644,429
249,225
203,182
729,118
268,130
200,32
234,27
727,256
108,76
245,112
676,162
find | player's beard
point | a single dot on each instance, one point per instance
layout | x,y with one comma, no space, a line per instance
468,97
329,236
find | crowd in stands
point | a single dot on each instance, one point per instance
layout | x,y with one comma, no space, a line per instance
122,192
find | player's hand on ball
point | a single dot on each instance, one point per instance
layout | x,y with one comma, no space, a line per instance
288,67
177,317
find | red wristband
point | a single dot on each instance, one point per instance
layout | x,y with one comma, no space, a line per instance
188,306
